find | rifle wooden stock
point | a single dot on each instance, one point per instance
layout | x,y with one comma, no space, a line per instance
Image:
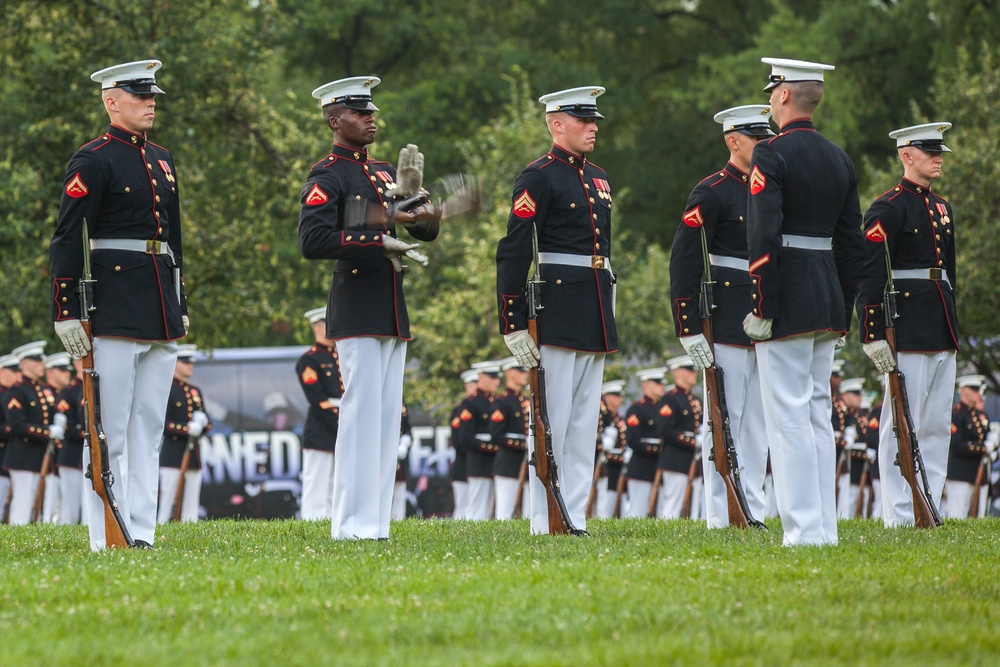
36,506
522,478
925,514
616,511
115,533
977,485
689,488
859,502
654,494
175,509
543,457
592,496
723,453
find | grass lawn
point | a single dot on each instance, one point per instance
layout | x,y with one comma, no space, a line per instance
637,592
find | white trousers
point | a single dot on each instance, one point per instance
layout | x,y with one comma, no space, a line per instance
746,423
398,512
479,504
846,495
368,436
169,478
639,493
960,497
573,396
317,484
605,504
461,492
51,498
795,387
770,504
23,485
135,379
4,490
71,490
670,500
930,386
505,489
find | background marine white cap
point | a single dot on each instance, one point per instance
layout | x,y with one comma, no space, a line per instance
613,387
35,349
750,119
928,137
316,315
974,381
487,367
784,70
580,102
59,360
354,93
186,352
683,361
852,384
654,374
136,77
10,361
470,375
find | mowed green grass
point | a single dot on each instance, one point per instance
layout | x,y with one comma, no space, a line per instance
637,592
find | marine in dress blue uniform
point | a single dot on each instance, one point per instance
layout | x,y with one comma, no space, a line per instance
644,437
611,446
10,374
968,451
125,187
30,407
509,428
916,227
805,249
69,456
458,472
477,438
186,422
318,371
681,414
854,430
717,209
346,216
565,200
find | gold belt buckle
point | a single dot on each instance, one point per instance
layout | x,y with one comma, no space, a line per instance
153,247
596,262
934,273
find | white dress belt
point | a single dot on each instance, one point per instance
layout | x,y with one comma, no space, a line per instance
586,261
729,262
133,245
806,242
514,436
651,441
932,273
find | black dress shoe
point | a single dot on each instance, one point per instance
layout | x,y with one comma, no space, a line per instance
140,544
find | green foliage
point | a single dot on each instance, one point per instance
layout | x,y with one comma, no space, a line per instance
637,592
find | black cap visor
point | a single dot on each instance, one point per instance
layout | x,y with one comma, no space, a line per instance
356,102
930,145
139,86
579,110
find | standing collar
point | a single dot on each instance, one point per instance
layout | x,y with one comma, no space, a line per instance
358,155
909,185
566,156
736,172
120,133
798,124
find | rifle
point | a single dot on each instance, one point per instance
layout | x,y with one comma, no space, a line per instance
723,452
654,494
689,489
522,478
859,502
36,506
981,474
908,458
620,490
592,496
99,471
542,457
175,509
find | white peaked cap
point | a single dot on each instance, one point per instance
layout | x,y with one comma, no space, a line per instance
489,367
852,384
750,119
59,360
316,314
683,361
975,381
784,70
580,102
136,77
613,387
34,349
353,93
470,375
651,374
928,137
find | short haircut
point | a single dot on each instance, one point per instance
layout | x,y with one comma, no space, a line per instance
331,111
807,94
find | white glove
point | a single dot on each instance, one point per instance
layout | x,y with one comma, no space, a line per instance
841,342
334,402
409,170
851,437
628,455
405,441
609,438
698,349
195,428
394,248
758,328
881,355
523,348
187,323
992,440
200,417
73,337
57,431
